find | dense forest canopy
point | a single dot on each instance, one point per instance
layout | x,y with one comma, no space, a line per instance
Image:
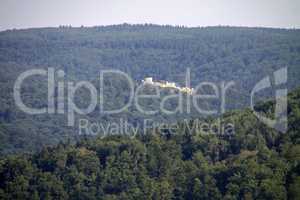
256,162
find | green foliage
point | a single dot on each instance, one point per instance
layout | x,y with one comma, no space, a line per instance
160,167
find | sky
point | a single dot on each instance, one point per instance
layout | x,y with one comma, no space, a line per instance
52,13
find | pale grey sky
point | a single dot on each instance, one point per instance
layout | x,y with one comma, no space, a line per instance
45,13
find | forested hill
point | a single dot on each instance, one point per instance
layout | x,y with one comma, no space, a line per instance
214,54
254,163
164,52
